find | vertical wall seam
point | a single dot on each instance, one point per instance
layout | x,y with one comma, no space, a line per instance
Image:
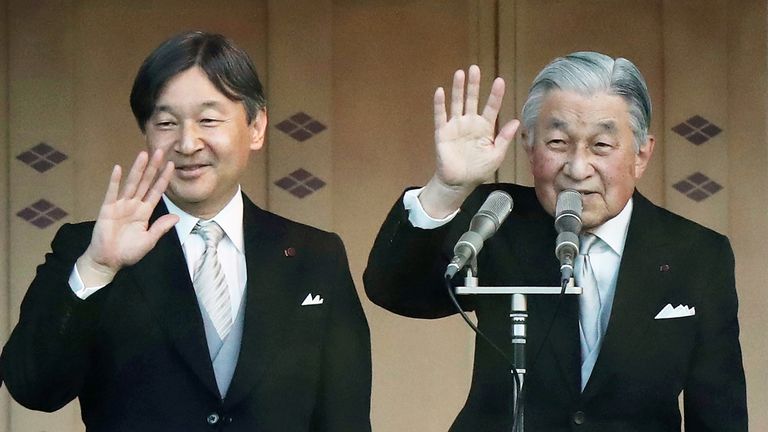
662,122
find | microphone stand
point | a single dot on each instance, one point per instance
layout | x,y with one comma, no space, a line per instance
519,321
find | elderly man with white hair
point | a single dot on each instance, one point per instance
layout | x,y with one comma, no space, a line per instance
658,315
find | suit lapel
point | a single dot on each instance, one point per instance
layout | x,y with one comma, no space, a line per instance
163,277
267,306
639,290
564,340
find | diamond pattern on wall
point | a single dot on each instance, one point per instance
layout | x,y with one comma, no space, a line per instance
300,126
42,157
42,213
300,183
697,130
697,187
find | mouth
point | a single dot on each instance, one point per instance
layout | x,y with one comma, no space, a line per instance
581,191
190,171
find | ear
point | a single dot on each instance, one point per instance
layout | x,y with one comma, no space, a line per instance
644,156
258,129
528,148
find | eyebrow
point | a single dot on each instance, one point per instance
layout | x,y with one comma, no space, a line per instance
168,109
608,126
605,126
557,124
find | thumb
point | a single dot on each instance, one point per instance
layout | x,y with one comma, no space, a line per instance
162,225
505,136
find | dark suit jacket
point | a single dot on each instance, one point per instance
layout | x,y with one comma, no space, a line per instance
644,363
135,353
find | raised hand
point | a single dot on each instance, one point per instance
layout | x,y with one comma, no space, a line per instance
467,151
122,234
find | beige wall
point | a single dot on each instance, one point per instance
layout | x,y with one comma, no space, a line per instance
367,70
384,78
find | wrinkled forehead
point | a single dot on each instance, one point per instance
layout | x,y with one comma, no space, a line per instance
598,112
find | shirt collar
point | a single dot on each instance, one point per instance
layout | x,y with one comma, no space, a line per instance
230,219
614,231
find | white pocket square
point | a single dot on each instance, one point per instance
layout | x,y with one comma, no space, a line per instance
675,312
316,300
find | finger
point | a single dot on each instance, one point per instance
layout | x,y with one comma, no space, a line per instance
473,90
160,185
148,178
505,136
114,185
134,175
457,94
493,105
439,101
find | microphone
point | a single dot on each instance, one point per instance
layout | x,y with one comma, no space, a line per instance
568,226
484,224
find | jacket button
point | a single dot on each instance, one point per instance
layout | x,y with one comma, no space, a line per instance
212,418
579,417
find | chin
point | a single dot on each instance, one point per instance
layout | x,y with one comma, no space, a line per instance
188,197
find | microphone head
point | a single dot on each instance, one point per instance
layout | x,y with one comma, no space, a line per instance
496,208
568,211
566,245
483,225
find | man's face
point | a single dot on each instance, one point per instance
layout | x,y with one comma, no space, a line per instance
208,138
586,143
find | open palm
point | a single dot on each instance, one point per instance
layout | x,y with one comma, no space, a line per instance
122,234
467,151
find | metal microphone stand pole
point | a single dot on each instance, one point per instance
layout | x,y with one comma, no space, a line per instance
518,315
519,320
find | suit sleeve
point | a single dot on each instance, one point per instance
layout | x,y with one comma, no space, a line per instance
344,402
715,391
406,266
47,355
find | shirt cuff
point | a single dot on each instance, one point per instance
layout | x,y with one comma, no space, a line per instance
416,214
77,286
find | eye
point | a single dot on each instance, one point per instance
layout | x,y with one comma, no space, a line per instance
209,122
165,124
602,147
556,144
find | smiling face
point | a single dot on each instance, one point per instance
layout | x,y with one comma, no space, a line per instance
585,142
208,138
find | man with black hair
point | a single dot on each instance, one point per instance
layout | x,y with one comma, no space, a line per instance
184,306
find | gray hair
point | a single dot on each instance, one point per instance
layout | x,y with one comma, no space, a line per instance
588,73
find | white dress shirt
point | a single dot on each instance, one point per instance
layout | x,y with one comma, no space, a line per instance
606,261
230,250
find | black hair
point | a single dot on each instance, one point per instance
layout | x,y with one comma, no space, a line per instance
228,67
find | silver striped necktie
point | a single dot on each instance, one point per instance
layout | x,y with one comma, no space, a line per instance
209,281
589,300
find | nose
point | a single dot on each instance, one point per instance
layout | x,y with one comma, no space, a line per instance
188,141
578,165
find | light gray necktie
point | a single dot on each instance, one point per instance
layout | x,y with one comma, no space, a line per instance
589,300
209,282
